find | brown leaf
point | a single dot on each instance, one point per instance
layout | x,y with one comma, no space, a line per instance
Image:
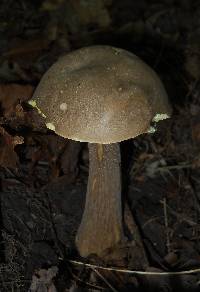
8,157
42,280
51,5
196,132
88,13
12,94
69,157
23,49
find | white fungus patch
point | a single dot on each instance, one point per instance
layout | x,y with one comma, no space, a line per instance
151,130
34,104
50,126
160,117
63,106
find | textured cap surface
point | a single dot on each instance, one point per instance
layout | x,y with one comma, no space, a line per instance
100,94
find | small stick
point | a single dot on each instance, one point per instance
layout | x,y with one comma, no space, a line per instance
136,272
104,279
166,224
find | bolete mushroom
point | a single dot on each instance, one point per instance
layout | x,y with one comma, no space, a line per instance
101,95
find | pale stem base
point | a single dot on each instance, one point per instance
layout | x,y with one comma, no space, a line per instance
101,226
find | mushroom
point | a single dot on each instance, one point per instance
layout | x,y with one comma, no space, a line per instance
101,95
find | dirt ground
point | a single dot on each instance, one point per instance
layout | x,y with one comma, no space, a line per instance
43,177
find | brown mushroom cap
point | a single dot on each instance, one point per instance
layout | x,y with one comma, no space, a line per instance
100,94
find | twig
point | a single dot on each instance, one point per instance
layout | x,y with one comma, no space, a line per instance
153,219
180,216
104,279
136,272
170,167
94,286
166,224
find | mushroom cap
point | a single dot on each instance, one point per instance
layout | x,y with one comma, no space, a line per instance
100,94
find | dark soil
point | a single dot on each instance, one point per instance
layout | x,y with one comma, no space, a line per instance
43,177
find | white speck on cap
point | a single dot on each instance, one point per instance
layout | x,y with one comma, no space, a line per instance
63,106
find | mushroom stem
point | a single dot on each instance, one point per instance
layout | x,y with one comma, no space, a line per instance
101,225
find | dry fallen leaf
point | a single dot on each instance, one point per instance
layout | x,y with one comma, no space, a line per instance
51,5
196,132
13,94
8,157
23,49
42,280
88,12
192,58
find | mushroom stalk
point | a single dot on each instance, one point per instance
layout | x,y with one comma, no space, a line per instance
101,225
